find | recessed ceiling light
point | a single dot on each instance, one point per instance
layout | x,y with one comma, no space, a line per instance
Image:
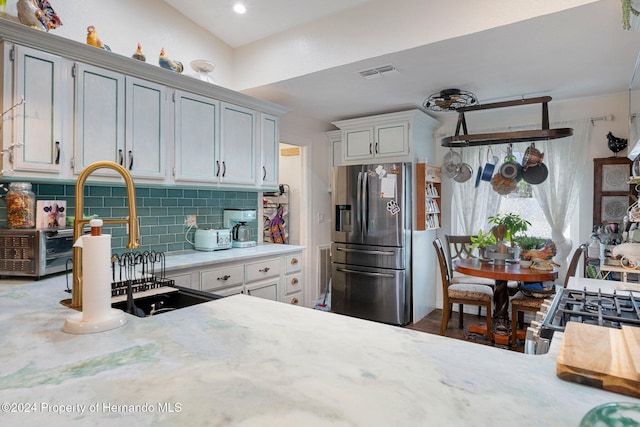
239,8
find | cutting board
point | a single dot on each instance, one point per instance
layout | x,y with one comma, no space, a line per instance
601,357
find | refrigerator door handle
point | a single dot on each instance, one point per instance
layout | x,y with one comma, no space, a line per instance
359,206
364,273
359,251
365,203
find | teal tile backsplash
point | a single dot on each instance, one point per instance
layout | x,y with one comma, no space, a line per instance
161,211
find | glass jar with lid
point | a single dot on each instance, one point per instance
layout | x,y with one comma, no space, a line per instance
21,206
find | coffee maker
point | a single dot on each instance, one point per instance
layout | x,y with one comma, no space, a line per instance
236,220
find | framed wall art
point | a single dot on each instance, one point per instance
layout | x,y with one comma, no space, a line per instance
611,189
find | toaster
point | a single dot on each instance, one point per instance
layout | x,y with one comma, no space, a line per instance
212,239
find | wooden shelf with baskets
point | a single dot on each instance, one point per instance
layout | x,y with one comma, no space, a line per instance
428,202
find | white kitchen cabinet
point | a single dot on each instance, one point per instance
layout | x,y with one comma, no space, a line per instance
227,276
197,128
238,141
119,119
279,278
267,289
262,278
99,114
33,133
145,129
386,137
292,290
183,280
269,146
108,107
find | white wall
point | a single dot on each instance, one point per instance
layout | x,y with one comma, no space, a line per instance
290,173
377,28
122,24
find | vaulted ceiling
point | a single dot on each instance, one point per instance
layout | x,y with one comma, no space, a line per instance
578,52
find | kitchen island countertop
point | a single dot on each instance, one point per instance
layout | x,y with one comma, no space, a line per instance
244,361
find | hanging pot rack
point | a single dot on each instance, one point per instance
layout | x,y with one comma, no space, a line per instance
466,140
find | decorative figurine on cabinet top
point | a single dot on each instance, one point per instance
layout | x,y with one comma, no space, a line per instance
94,40
139,55
169,64
39,15
616,144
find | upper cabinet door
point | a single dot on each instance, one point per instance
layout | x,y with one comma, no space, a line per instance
238,151
146,126
38,124
99,117
392,140
358,144
269,149
196,138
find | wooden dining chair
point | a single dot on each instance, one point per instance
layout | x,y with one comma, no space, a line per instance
521,303
461,293
459,247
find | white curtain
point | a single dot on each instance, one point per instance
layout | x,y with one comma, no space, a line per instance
566,160
472,206
634,130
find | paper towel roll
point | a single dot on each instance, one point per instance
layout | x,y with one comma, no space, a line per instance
96,278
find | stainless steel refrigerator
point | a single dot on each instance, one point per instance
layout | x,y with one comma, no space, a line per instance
371,242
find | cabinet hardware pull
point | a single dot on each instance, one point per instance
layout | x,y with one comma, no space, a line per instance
57,152
224,169
294,281
225,277
130,160
121,157
376,148
218,167
264,173
294,261
264,270
294,301
370,152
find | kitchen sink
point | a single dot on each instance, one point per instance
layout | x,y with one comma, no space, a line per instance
176,297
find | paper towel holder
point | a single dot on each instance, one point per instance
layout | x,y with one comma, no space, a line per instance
113,318
75,325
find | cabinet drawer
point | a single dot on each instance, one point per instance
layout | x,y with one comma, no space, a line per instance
211,280
293,299
262,269
292,263
293,283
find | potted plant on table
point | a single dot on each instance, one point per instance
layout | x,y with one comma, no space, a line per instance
482,241
527,245
507,226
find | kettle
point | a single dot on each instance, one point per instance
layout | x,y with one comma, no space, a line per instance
240,232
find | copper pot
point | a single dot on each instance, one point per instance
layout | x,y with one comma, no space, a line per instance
532,157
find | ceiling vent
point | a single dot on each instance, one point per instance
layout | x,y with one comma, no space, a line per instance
374,73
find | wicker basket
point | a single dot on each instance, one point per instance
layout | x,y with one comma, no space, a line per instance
536,293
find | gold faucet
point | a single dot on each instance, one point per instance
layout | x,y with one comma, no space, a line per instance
80,222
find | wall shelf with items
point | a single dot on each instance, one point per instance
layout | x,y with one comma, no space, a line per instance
429,187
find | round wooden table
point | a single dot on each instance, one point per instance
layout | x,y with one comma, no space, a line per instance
502,274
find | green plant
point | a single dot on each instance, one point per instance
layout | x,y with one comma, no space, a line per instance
514,224
528,243
482,240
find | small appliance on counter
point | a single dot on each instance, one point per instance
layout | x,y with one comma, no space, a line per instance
34,253
211,239
237,219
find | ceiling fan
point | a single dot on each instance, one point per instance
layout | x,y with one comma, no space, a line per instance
449,100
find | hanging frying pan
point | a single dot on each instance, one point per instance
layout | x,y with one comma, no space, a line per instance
535,174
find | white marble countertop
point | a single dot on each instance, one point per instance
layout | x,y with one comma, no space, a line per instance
244,361
187,259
